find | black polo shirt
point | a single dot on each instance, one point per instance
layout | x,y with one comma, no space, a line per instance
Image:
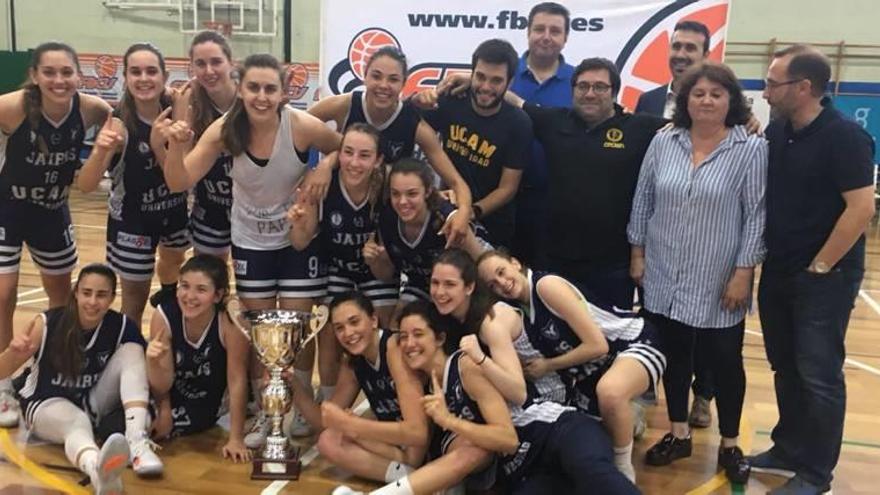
808,171
592,175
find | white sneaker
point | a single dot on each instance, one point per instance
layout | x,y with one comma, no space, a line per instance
344,490
112,461
640,423
144,460
298,426
258,432
9,409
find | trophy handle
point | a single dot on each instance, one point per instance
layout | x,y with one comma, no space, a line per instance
320,315
233,310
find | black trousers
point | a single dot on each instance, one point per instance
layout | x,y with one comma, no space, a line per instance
721,348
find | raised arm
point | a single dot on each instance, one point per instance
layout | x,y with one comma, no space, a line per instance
23,346
183,172
502,368
456,228
303,218
160,357
498,433
110,140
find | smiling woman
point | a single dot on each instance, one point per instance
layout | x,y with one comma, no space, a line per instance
143,218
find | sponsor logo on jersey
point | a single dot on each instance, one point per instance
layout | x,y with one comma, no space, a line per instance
336,219
239,267
133,241
55,139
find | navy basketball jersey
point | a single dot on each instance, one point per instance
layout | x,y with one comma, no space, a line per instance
199,373
398,134
30,174
214,191
345,228
458,402
548,333
376,382
414,259
43,380
139,189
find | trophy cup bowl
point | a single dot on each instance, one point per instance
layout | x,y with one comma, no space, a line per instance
277,335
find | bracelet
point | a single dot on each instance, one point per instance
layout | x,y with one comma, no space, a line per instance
483,360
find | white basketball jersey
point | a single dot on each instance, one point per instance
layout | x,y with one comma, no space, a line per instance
261,196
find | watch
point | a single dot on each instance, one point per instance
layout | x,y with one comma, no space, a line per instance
819,267
478,211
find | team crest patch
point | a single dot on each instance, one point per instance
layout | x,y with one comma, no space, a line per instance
613,138
133,241
336,218
239,267
55,139
550,331
144,148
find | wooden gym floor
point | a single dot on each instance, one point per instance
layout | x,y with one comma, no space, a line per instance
194,465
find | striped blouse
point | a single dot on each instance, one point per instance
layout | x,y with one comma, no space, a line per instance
698,224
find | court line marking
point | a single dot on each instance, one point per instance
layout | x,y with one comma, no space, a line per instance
850,361
29,292
275,487
45,477
96,227
720,479
870,300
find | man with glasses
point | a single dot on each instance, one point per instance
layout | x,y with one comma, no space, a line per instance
820,198
594,152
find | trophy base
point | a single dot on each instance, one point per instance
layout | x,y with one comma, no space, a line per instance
277,469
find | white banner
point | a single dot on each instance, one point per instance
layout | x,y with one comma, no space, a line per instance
439,37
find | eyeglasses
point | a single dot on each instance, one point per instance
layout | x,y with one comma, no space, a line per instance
771,84
598,88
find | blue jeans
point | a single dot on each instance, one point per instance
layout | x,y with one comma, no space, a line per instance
804,318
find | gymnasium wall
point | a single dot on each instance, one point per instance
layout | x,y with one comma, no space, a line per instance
91,27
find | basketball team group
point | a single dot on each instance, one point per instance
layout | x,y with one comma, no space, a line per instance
513,263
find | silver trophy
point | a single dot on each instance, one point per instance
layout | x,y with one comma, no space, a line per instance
278,335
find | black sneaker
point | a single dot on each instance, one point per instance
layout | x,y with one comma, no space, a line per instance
735,465
162,295
668,449
770,462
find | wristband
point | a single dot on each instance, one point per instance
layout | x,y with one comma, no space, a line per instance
483,360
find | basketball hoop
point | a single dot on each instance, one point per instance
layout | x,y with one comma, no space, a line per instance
224,28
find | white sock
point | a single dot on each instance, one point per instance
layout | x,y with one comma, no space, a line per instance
396,471
399,487
327,391
623,461
87,461
135,422
304,376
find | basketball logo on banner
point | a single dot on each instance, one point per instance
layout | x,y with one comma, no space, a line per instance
644,60
361,48
296,81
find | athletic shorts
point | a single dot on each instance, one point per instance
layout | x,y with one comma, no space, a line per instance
210,228
381,294
645,349
132,243
49,236
284,272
